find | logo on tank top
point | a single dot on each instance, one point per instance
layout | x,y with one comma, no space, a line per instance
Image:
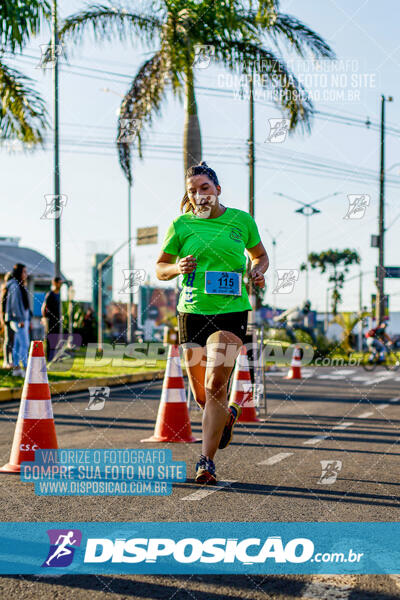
236,234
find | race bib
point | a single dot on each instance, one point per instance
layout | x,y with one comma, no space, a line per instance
227,283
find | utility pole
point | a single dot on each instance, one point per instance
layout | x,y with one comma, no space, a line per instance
380,300
251,156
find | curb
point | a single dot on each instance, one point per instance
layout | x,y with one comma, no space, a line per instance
77,385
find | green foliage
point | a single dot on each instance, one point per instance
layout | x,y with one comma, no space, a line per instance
19,20
347,322
22,110
326,348
239,33
338,263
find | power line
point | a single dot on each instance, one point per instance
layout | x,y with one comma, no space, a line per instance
343,119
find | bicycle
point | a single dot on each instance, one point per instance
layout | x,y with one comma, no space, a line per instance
372,359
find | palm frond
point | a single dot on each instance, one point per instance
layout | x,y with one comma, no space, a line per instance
19,20
108,21
299,37
22,111
246,57
142,101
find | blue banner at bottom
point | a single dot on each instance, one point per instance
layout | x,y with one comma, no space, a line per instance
204,548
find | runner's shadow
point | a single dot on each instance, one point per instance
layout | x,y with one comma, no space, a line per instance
201,587
314,494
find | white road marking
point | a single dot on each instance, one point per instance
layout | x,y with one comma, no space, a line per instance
318,438
336,377
379,379
315,439
382,406
342,426
365,415
361,378
272,460
206,491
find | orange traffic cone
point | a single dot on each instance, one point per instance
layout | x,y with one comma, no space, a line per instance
35,428
173,423
242,393
295,365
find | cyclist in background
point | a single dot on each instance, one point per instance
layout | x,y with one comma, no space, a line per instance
377,339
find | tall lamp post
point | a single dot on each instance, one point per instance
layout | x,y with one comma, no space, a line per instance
100,267
307,210
129,333
56,151
380,300
274,240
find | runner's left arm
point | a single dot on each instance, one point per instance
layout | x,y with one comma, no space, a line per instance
259,263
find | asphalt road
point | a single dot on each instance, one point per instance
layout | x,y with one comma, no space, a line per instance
271,472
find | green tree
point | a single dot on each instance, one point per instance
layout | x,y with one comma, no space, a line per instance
243,38
347,322
22,110
338,263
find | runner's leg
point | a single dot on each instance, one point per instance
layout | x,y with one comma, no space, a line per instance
195,361
216,383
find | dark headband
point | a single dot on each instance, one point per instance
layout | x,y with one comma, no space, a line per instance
203,169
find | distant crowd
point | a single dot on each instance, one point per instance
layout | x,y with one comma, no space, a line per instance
16,315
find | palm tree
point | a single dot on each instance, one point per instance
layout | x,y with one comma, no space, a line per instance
22,110
238,34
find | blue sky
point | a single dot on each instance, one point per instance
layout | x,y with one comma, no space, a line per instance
364,35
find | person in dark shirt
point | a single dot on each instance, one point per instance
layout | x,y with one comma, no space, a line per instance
51,311
8,331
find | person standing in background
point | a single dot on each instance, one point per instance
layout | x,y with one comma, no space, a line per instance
51,312
8,331
18,315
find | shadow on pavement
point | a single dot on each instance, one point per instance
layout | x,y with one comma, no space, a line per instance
200,587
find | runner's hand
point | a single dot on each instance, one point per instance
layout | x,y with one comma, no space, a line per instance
257,277
187,264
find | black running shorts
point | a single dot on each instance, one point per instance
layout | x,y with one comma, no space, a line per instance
195,329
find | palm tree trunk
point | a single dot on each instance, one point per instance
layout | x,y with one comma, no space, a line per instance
192,134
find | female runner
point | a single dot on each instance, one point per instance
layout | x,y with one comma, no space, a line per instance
210,240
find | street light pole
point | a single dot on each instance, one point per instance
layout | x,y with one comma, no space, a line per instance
100,292
380,301
307,216
307,210
274,244
130,265
56,156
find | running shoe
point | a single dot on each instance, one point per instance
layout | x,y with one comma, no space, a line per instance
205,471
227,434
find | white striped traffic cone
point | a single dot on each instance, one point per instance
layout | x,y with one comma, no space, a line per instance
173,423
242,389
295,365
35,424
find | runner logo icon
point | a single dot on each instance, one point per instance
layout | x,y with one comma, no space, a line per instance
61,552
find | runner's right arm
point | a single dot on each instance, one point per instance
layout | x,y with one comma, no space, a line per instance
167,268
